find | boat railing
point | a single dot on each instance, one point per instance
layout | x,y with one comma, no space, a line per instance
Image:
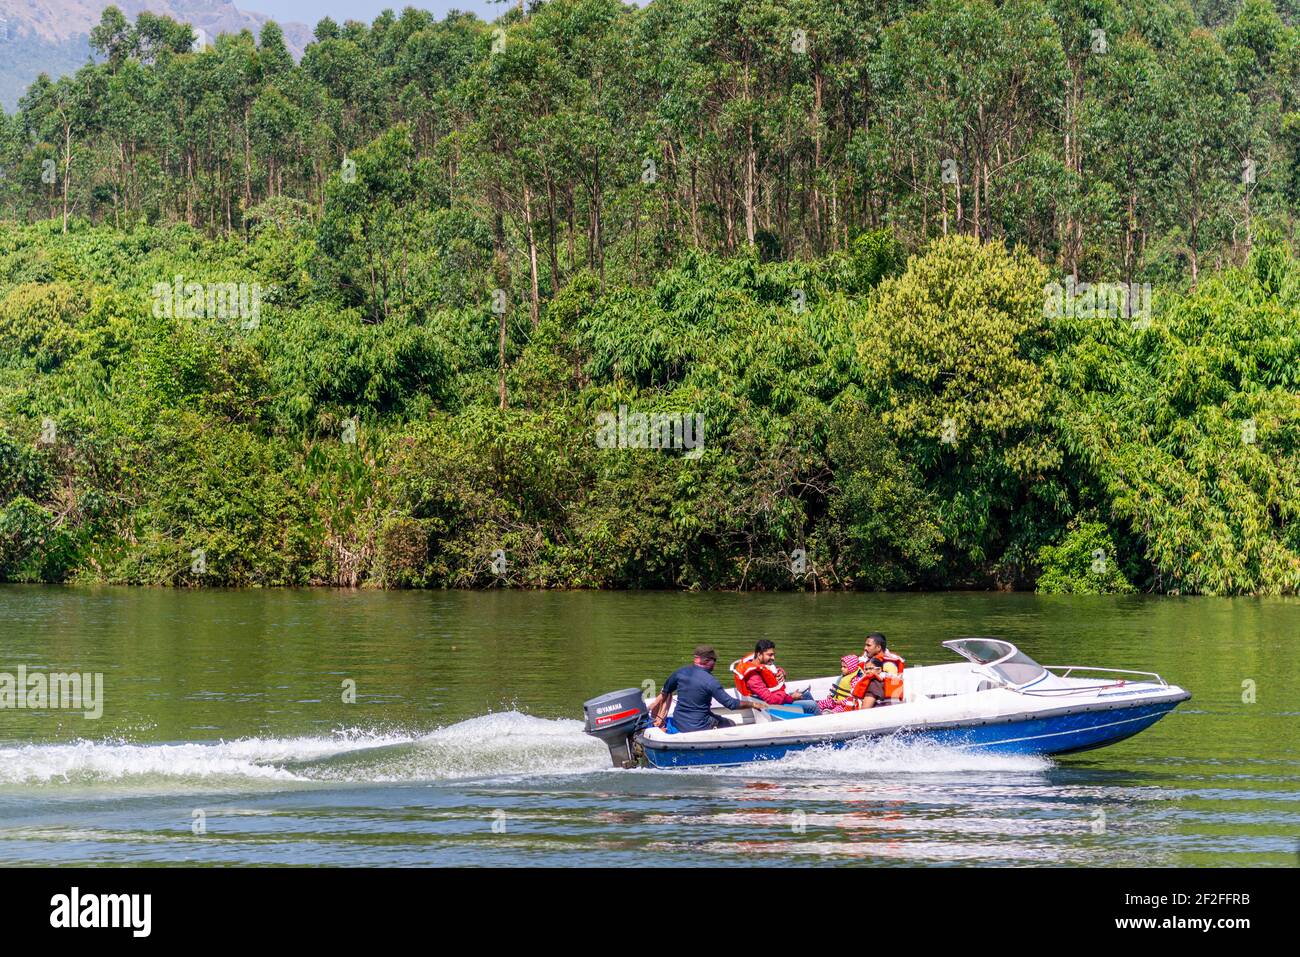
1150,676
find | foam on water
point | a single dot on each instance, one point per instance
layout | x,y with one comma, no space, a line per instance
493,744
97,762
908,755
892,758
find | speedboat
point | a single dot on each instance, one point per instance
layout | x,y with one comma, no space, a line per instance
997,699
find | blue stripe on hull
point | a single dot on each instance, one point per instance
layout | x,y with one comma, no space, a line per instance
1061,734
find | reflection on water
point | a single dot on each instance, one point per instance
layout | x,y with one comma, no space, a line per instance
463,745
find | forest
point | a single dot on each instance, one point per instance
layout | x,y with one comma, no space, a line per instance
703,294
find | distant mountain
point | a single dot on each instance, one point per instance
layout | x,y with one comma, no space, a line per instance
52,36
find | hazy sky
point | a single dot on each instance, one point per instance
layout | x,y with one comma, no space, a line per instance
309,11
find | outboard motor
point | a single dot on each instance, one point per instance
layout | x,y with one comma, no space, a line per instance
614,718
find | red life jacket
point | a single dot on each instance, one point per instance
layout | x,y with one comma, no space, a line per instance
892,683
772,676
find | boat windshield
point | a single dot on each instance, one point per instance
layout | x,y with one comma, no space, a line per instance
1019,669
1002,658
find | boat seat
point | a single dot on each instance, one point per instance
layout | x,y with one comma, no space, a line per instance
779,713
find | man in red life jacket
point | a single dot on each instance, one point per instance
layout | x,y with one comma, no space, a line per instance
758,676
885,669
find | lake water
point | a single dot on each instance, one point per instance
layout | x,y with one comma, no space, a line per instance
225,737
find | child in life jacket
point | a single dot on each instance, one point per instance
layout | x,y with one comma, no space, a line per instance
849,689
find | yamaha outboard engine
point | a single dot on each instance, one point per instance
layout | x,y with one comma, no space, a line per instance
614,718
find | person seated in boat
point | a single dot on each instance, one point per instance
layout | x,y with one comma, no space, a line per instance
885,670
696,689
759,676
849,690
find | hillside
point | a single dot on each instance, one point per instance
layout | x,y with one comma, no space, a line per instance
50,36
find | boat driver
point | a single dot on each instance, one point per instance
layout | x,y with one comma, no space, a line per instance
696,689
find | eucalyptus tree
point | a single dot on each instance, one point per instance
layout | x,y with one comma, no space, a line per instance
1085,43
1202,135
114,38
1121,130
62,113
367,230
131,126
976,84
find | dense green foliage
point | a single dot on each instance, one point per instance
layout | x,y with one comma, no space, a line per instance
1082,564
468,246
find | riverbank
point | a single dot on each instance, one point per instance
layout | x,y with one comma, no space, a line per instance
926,424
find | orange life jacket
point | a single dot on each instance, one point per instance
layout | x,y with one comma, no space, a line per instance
772,676
892,682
